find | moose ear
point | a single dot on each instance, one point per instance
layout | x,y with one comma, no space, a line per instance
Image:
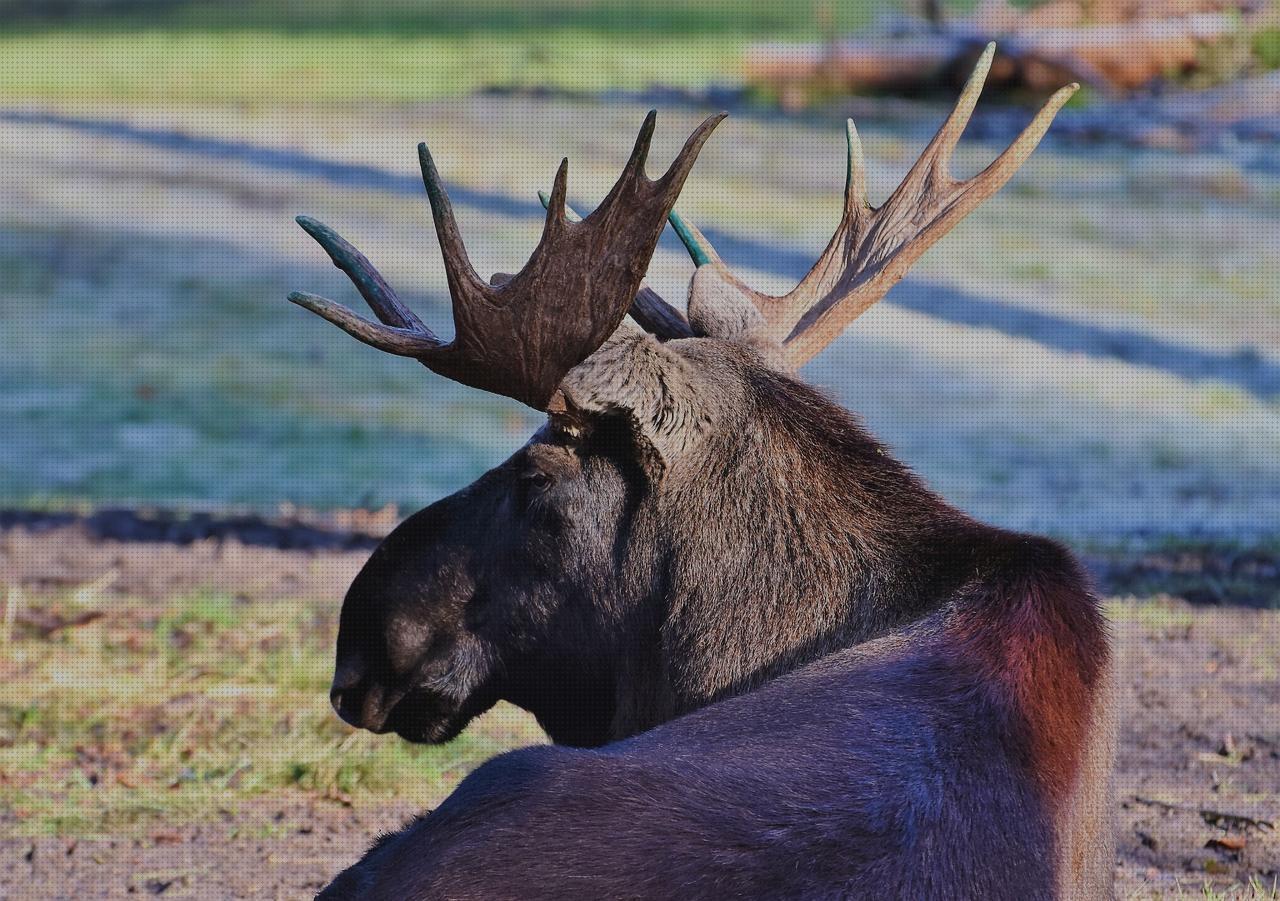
719,309
648,383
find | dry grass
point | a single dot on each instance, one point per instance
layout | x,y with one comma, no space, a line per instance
164,713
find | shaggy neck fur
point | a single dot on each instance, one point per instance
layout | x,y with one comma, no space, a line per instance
814,537
822,541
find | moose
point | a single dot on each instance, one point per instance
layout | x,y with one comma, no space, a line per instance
773,662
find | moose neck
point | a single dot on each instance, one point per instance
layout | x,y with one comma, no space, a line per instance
820,540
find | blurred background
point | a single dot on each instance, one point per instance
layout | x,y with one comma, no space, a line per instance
191,469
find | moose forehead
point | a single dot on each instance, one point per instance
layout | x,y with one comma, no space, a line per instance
551,449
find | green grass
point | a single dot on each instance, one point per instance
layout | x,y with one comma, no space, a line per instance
433,17
394,50
274,68
1266,47
170,712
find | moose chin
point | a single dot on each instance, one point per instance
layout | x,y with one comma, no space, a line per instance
773,662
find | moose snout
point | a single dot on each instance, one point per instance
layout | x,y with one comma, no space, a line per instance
349,696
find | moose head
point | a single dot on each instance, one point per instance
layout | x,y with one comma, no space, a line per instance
691,520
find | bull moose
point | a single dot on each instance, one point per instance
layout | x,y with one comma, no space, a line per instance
775,664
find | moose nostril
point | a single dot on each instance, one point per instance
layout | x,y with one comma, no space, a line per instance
348,705
345,693
359,701
347,674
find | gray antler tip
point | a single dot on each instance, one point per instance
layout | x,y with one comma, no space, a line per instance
641,151
424,158
560,186
311,226
321,306
431,179
332,242
555,204
709,124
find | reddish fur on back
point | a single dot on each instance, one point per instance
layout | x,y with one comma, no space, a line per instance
1040,644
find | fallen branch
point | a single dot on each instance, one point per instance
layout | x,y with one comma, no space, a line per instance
1217,818
1114,57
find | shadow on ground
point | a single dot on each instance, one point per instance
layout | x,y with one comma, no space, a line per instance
1246,370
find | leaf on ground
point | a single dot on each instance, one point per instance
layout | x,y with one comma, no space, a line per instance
46,623
1227,843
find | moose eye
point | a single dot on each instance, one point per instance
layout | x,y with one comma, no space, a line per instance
535,481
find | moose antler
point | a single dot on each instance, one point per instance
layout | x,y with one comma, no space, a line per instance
519,338
649,309
873,248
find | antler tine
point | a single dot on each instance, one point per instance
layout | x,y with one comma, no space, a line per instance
459,272
368,280
403,333
700,249
520,335
895,241
402,342
556,205
648,309
640,152
936,157
873,248
855,180
1002,168
680,167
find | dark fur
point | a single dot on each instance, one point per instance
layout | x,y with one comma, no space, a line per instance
944,730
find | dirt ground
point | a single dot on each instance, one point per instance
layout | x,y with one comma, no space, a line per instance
1198,764
287,849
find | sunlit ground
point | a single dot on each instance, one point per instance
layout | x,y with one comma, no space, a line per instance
1092,353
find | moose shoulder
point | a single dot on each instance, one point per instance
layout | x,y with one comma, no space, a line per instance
810,676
